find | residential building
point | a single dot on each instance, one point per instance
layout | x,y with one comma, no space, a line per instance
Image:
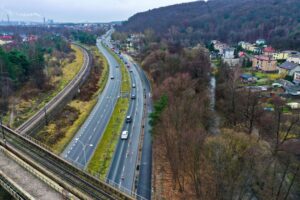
269,51
6,37
260,42
283,55
250,47
295,58
264,63
229,53
288,68
220,47
297,77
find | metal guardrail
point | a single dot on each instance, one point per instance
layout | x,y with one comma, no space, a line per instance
39,175
53,106
11,189
74,176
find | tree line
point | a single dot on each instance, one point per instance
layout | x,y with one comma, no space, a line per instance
247,159
26,62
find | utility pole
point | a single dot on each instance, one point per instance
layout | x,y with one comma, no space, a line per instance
2,130
46,120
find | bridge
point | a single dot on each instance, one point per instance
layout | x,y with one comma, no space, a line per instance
47,174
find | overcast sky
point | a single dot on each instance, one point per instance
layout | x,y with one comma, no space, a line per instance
77,10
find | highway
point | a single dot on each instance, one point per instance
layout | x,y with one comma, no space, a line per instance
123,170
81,148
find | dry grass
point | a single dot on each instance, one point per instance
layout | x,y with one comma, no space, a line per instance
26,102
100,162
83,105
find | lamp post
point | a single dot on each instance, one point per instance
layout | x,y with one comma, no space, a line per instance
2,130
45,112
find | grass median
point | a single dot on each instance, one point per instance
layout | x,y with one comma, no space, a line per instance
102,158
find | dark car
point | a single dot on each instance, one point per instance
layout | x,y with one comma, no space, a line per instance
128,119
133,96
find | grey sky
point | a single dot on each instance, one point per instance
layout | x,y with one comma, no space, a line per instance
78,11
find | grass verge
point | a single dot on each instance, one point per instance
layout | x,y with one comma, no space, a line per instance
60,132
100,162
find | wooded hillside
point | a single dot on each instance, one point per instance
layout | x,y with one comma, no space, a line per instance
230,21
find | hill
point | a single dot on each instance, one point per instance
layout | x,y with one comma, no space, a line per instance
230,21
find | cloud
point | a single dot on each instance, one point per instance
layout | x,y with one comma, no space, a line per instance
16,14
78,11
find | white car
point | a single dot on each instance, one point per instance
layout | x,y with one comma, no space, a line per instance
124,135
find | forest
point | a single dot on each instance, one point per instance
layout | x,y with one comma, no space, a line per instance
225,20
25,61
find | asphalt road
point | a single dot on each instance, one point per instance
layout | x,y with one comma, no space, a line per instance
123,170
81,148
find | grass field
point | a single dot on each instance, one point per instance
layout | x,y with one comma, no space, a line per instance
100,162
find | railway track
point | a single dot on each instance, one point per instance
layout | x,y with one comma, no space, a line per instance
40,118
78,179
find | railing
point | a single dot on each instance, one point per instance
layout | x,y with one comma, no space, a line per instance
72,175
39,175
11,189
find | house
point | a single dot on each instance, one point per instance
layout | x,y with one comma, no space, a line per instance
6,37
269,51
293,105
297,77
250,47
295,58
264,63
260,42
288,68
220,47
229,53
283,55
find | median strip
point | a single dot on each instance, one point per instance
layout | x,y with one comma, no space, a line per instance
100,162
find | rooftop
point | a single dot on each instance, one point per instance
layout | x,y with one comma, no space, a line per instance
288,65
265,58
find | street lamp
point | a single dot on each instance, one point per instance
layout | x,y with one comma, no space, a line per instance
84,147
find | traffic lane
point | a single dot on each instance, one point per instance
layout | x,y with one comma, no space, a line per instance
84,138
144,181
97,126
91,140
128,173
113,70
87,127
145,177
119,152
133,148
125,143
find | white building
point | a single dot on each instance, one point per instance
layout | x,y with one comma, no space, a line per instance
294,58
229,53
